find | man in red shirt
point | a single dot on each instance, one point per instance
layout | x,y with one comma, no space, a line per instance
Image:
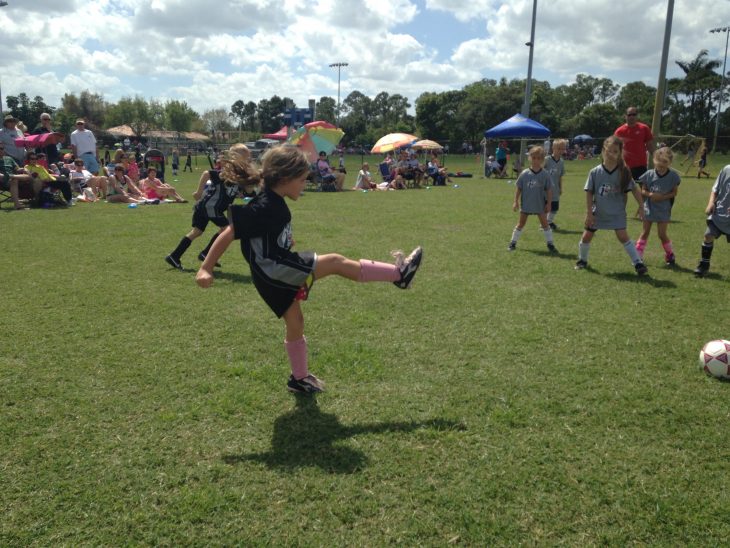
638,141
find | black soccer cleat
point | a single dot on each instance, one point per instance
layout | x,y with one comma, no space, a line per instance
307,385
641,269
409,267
552,248
670,261
702,269
553,226
581,264
512,246
173,262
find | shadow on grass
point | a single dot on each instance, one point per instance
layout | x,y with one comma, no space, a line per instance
232,276
559,255
306,437
647,279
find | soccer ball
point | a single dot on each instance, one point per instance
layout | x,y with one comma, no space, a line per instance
715,359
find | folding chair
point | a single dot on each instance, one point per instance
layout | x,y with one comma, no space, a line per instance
385,172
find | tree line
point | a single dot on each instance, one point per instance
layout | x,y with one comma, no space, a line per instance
589,105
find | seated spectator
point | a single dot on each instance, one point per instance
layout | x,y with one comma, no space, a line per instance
492,167
154,189
8,134
51,151
415,170
87,185
49,182
120,188
12,176
364,179
439,174
326,172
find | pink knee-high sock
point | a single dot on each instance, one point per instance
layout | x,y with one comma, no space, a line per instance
640,247
373,271
668,248
297,351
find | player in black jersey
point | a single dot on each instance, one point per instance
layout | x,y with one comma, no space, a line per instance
283,277
216,191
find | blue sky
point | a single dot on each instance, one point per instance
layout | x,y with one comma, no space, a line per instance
211,54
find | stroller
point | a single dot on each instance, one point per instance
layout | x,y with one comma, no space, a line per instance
155,158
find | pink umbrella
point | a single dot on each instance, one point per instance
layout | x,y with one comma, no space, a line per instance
42,140
316,137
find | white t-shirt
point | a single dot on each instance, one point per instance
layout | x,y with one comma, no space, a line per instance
84,141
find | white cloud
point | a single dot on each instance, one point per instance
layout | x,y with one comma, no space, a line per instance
213,53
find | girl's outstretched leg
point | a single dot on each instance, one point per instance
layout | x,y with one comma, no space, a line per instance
401,273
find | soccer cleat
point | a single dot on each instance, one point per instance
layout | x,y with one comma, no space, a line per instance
702,269
641,269
670,260
553,226
306,385
408,267
173,262
581,264
552,248
512,246
201,258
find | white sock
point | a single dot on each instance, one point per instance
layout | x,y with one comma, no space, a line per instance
516,233
551,217
548,235
583,250
630,248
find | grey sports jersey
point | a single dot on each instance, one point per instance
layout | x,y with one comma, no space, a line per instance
721,188
660,184
556,169
534,186
609,203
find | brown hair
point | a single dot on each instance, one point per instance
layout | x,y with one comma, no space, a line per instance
281,164
625,172
236,167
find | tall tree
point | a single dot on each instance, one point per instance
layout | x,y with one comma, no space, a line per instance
179,116
325,110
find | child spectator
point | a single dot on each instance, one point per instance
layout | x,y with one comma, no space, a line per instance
40,173
533,196
154,189
282,277
659,187
606,189
364,179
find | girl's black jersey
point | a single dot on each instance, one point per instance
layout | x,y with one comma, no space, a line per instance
218,196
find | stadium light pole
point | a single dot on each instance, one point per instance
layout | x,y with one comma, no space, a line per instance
2,5
726,30
528,84
339,66
661,88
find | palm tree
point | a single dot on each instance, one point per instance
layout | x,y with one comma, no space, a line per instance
698,85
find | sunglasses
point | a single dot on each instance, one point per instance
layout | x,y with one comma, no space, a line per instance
632,114
79,123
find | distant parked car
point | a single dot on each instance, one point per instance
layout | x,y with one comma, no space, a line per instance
257,148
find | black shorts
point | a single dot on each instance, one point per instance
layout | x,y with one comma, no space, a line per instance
714,231
554,206
201,220
637,172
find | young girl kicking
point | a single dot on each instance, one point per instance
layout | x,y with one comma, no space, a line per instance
533,197
659,187
216,191
283,277
606,190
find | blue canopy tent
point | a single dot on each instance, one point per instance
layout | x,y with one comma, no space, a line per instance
517,126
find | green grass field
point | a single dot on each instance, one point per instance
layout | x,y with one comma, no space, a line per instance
506,399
